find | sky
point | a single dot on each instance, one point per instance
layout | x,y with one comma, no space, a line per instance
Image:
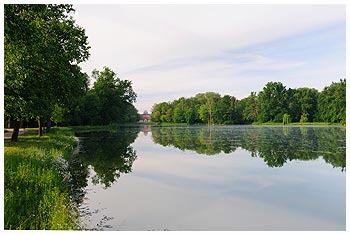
173,51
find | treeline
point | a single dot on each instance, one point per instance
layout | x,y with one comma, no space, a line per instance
43,81
275,103
110,100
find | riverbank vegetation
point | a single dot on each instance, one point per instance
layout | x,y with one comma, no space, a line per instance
43,81
44,84
37,192
274,104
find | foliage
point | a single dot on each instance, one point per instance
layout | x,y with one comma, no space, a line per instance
250,107
37,194
207,107
58,114
304,118
332,103
303,105
272,101
285,119
109,101
43,47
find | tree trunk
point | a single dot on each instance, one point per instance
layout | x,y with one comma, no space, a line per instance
15,132
48,125
9,122
40,127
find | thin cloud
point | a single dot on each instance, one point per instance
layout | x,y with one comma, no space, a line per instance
169,51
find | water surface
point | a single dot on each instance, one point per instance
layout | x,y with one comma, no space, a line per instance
212,178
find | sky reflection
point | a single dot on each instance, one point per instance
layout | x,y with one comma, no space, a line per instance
172,189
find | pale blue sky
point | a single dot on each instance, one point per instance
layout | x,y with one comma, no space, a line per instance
169,51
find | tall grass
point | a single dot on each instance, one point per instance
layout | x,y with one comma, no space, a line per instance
36,190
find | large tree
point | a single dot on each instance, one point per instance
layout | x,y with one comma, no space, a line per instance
272,102
302,104
332,103
43,47
109,101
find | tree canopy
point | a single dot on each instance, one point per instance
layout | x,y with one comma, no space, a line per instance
110,100
43,80
275,103
43,47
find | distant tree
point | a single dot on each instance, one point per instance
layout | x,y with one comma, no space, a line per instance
179,111
294,106
207,108
272,102
189,116
302,104
155,116
304,118
285,119
251,109
162,112
332,103
203,113
109,101
167,112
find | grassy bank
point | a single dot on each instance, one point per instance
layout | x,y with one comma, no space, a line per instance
36,190
298,124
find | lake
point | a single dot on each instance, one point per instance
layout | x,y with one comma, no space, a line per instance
211,178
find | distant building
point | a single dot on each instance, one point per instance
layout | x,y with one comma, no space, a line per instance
145,117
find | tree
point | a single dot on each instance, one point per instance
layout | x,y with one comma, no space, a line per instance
251,109
272,102
302,104
207,111
109,101
285,119
179,111
332,103
43,45
156,113
190,115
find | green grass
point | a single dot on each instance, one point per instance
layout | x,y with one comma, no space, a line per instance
36,190
298,124
316,124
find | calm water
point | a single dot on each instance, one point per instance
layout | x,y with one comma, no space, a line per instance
217,178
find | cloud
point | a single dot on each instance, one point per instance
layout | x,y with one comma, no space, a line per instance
170,51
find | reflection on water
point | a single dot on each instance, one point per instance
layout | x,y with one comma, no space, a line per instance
276,145
106,154
217,182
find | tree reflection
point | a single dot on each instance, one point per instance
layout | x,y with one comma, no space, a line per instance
108,153
276,145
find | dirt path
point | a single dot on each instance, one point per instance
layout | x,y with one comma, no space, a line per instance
8,134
